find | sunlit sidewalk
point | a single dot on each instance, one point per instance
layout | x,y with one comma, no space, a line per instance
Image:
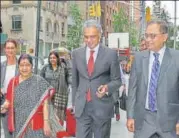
119,129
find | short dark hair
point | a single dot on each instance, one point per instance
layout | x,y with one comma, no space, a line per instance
163,25
11,41
25,56
56,55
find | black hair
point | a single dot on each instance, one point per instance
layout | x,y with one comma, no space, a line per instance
56,55
25,56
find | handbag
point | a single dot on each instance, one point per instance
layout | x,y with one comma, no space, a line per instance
2,99
71,122
123,101
54,121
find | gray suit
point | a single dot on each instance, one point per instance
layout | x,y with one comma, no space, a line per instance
164,120
98,112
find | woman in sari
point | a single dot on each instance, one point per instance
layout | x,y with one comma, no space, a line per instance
59,76
27,102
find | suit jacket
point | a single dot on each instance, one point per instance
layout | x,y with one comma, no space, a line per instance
3,71
167,91
106,71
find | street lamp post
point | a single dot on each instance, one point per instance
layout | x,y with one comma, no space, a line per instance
37,35
175,27
143,17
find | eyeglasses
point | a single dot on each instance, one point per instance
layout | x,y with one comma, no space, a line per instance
152,36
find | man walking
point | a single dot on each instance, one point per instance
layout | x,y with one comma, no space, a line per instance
153,99
95,76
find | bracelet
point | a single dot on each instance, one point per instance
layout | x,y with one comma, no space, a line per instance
2,108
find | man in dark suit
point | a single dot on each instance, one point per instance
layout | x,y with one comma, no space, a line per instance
95,77
153,99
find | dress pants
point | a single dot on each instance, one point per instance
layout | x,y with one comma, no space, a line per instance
151,128
88,125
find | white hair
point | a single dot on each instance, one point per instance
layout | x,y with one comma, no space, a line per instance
93,23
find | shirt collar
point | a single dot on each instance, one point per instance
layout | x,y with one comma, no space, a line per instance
161,51
95,49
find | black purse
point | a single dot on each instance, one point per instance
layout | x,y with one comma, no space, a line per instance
123,101
2,99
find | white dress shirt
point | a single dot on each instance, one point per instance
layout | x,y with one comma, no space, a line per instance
10,73
94,54
151,59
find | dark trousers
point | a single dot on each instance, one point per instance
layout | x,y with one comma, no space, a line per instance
88,124
116,108
151,128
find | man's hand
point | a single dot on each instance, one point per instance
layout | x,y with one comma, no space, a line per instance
177,128
130,125
3,109
102,91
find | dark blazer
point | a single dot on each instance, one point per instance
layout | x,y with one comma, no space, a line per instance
106,71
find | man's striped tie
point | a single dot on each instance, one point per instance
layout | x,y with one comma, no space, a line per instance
153,83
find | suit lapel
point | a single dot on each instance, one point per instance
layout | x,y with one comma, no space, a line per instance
99,57
3,72
145,64
165,64
85,66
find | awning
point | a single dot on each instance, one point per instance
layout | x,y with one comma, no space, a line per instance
3,38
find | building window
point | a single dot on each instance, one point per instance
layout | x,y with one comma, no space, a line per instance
57,6
47,27
107,9
48,4
56,28
54,6
16,1
63,29
0,27
16,22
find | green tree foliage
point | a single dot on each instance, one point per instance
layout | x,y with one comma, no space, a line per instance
166,17
74,35
121,23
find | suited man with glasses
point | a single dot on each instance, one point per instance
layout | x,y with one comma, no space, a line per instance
153,97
